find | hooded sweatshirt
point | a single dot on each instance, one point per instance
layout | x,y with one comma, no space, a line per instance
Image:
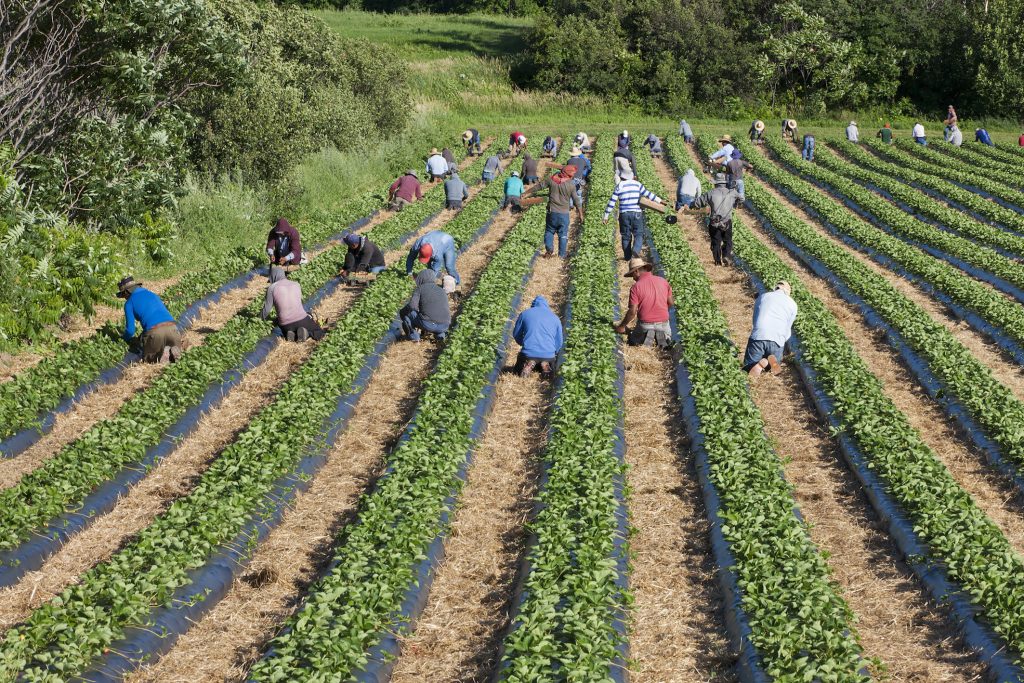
283,237
689,184
455,189
529,167
684,129
539,331
286,296
492,165
429,298
367,256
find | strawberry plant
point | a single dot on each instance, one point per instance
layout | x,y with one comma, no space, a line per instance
985,158
985,176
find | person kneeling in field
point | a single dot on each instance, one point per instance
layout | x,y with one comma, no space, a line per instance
774,314
404,191
160,339
654,144
436,250
513,193
539,331
285,296
283,244
455,192
649,300
550,148
363,256
427,310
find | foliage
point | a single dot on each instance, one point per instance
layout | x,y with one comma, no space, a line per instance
998,43
987,177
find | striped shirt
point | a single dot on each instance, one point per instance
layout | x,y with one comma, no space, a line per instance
627,194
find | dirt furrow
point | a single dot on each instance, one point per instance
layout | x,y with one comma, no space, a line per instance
227,641
897,622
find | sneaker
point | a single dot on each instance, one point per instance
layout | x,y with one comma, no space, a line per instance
165,357
303,334
546,370
290,336
773,363
528,367
175,353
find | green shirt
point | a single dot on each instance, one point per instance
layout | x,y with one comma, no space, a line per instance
886,135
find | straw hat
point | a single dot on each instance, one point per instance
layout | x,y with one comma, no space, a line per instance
759,125
126,286
853,123
467,136
784,286
636,264
433,151
790,123
725,138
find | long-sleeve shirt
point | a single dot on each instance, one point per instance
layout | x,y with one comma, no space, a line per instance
367,256
852,134
689,184
441,242
538,330
513,187
724,152
449,157
654,143
455,189
736,167
429,299
918,131
722,201
550,145
627,194
284,238
407,187
981,135
684,129
774,313
146,307
530,167
286,297
582,165
562,196
437,165
492,165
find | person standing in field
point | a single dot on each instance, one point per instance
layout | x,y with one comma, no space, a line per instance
160,339
885,134
492,167
363,256
285,296
687,189
650,298
808,151
562,196
531,172
918,134
852,132
539,332
436,250
455,192
756,132
774,313
981,135
427,310
437,167
513,192
736,166
685,131
283,244
627,195
721,201
472,139
951,117
581,164
404,191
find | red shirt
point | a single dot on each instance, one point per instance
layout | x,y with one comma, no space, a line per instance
649,294
407,187
514,138
1020,140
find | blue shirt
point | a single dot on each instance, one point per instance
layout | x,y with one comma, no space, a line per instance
513,187
774,313
441,242
538,330
983,137
146,307
724,152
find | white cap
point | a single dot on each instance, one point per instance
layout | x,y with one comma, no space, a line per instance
625,133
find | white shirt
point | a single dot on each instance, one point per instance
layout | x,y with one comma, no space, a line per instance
852,133
918,131
774,313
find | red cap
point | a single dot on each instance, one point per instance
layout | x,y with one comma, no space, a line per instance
426,251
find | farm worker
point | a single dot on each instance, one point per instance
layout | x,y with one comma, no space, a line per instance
852,132
580,163
918,134
654,143
981,135
539,331
789,129
437,167
455,192
513,192
623,162
756,132
736,166
562,196
549,148
531,174
427,310
363,256
721,200
283,245
516,142
405,191
956,136
582,141
951,117
285,296
436,250
631,217
160,339
1020,140
685,131
472,139
808,151
774,313
492,167
649,300
724,152
885,134
450,158
687,189
623,139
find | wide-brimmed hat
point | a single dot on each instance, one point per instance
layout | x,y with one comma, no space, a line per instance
853,123
467,136
126,285
625,133
790,123
433,150
636,264
784,286
412,172
725,138
426,252
720,179
759,125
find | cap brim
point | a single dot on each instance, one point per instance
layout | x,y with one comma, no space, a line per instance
424,259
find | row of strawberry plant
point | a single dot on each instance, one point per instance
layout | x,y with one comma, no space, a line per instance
922,205
64,481
1009,273
965,380
957,552
157,565
799,625
1010,154
571,596
985,176
996,316
939,188
986,158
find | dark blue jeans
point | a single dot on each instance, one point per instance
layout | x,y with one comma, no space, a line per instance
557,223
413,322
631,228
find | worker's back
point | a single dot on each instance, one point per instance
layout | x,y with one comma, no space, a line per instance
147,308
538,330
722,201
455,189
774,313
287,296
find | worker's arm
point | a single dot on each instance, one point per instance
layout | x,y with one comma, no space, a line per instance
542,185
630,316
519,331
414,301
644,192
671,297
612,201
411,258
268,302
419,191
129,320
577,201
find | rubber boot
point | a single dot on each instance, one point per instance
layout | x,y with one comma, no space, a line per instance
290,336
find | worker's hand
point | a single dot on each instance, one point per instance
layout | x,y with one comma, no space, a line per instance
620,329
604,220
344,273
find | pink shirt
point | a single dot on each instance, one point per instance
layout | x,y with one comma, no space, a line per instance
287,296
649,294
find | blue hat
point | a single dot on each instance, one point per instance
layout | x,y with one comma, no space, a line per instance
351,239
736,154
